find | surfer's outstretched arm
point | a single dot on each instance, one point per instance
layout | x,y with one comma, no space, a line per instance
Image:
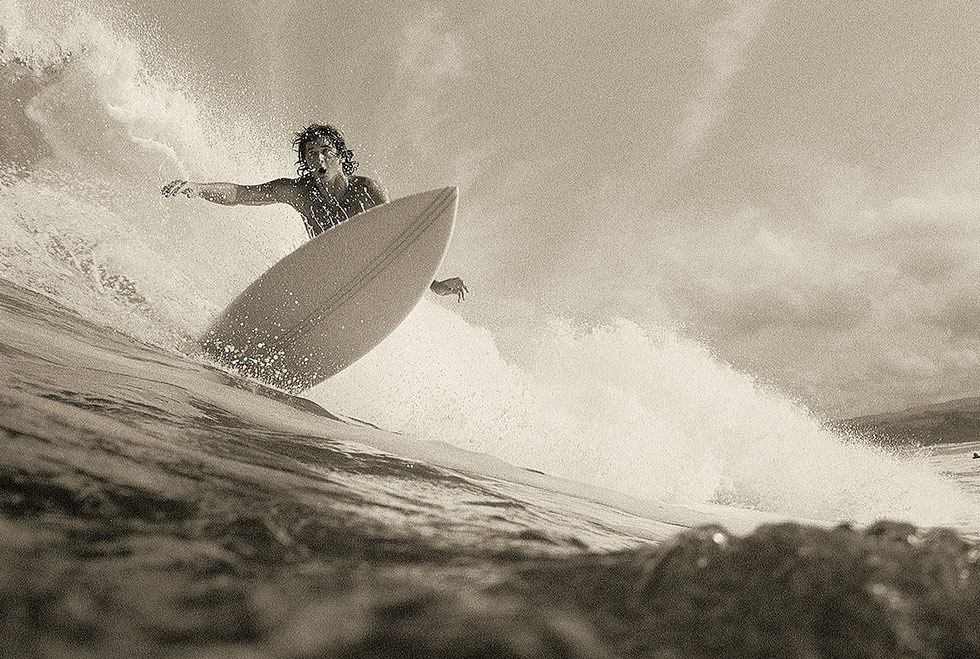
233,194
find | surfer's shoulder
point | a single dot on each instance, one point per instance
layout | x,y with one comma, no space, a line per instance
288,189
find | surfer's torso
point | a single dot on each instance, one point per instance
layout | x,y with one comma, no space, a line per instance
322,209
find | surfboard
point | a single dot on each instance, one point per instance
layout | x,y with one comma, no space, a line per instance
326,305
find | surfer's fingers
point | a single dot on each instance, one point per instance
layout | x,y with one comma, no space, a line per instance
172,188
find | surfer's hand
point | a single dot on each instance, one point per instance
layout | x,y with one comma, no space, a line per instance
453,286
185,188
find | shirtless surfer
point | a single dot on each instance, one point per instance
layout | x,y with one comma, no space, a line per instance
326,191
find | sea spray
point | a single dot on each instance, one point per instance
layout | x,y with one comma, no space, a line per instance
99,130
644,411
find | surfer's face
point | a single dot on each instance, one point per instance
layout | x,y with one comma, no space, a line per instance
320,156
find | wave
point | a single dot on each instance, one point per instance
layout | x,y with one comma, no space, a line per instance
644,411
101,122
98,128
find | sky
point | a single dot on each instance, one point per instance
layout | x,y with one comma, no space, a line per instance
792,184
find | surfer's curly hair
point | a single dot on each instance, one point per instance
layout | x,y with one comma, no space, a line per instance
314,131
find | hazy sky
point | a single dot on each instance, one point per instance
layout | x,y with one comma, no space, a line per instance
794,184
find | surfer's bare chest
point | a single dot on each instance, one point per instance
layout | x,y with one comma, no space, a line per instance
322,209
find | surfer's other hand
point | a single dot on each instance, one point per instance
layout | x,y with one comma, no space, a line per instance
452,286
177,187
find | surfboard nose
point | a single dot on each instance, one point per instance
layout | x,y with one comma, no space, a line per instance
452,194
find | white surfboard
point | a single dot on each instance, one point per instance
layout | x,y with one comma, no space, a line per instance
327,304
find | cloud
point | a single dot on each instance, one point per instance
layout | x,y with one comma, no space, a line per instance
725,43
431,59
859,294
426,101
875,307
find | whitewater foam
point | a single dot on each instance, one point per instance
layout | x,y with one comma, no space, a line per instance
80,208
643,411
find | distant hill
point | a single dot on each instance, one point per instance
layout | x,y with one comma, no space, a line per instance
941,423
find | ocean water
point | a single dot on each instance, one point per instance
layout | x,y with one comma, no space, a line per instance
152,500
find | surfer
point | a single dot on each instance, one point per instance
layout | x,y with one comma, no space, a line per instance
325,193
